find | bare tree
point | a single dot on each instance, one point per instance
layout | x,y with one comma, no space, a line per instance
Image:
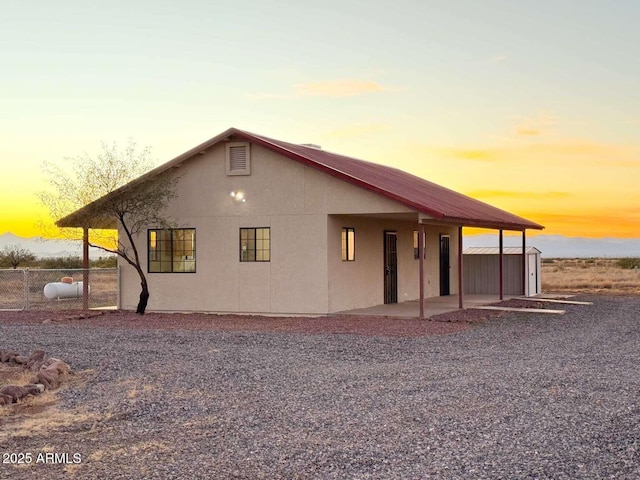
113,190
14,255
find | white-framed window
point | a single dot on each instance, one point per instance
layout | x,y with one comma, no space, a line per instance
238,158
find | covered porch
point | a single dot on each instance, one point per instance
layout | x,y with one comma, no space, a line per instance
431,306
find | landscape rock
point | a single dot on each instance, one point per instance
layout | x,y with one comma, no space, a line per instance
8,356
17,392
36,359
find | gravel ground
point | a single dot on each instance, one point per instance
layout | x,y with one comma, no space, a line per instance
517,395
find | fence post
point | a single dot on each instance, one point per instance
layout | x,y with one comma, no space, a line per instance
118,287
25,304
85,267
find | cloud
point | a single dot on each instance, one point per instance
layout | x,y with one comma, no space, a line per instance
533,126
589,224
264,96
517,194
338,88
327,88
356,130
499,58
550,153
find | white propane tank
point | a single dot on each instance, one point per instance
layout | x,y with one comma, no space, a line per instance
57,290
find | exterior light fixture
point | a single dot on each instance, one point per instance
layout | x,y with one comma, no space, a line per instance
239,197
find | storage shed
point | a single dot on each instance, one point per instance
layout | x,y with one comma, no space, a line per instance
482,271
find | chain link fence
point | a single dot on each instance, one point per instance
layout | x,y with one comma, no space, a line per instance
57,289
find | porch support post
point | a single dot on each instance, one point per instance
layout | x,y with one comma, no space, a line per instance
421,266
460,282
524,262
500,268
85,268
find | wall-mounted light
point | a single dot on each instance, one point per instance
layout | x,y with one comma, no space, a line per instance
239,197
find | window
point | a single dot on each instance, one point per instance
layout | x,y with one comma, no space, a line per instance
416,255
238,158
348,244
172,250
255,244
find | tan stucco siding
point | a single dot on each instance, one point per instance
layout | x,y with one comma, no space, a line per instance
294,281
361,283
305,210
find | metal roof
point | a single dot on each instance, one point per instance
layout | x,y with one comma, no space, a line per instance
496,250
440,203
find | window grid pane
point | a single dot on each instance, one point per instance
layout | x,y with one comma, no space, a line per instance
172,250
255,244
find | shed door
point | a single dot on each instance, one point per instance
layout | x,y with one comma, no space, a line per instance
390,267
444,265
533,276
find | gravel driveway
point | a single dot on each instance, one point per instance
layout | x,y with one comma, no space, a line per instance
517,396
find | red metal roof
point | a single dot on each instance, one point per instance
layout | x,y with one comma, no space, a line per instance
427,197
441,203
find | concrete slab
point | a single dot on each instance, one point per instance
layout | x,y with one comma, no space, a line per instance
514,309
432,306
554,300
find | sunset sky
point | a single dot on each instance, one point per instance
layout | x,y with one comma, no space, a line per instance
533,107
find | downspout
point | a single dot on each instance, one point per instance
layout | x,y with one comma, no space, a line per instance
500,268
421,266
85,268
460,283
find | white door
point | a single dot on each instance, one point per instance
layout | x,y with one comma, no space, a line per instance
532,281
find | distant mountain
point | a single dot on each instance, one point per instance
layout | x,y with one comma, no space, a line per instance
48,248
556,246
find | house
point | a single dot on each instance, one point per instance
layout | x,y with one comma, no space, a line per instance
266,226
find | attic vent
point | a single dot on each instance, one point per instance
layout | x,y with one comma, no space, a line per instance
238,158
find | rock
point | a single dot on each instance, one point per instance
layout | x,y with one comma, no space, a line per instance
34,389
20,359
5,399
56,364
17,392
8,356
47,377
36,359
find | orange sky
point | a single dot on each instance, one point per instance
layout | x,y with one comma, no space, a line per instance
466,94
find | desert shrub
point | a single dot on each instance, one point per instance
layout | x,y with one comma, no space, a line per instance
628,263
105,262
61,262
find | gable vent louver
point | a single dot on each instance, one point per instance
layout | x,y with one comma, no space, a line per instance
238,158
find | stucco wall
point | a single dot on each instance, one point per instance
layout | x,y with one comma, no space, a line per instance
290,198
360,283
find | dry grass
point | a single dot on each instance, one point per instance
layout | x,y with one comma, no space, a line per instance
38,416
588,275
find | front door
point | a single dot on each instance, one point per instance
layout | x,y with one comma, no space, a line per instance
444,265
390,267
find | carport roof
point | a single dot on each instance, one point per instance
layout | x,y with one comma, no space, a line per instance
441,204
